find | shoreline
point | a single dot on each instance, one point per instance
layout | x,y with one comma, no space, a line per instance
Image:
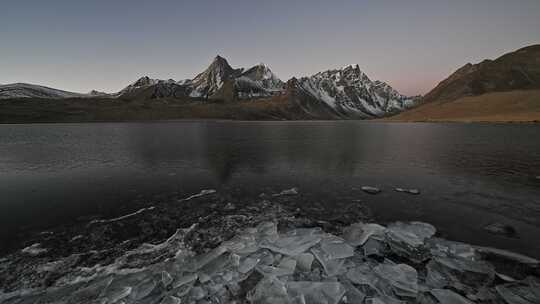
185,120
149,239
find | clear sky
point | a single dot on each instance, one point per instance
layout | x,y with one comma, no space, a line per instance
82,45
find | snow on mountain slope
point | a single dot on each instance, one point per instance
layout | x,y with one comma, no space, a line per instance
146,87
26,90
350,91
210,80
258,81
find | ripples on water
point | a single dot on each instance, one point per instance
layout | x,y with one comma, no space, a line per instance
469,174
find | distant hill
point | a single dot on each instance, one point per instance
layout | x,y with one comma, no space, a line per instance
504,89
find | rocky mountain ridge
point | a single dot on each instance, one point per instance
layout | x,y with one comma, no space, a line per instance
336,93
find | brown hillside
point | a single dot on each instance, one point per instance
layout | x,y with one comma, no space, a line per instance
513,71
518,106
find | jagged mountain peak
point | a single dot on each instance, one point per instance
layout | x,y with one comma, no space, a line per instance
348,90
210,80
144,81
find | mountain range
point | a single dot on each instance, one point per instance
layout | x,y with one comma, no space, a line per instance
331,94
504,89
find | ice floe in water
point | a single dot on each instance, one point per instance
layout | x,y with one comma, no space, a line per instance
34,249
202,193
367,263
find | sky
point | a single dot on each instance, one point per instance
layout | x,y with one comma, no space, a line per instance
79,45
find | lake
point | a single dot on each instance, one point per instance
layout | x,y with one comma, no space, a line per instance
469,175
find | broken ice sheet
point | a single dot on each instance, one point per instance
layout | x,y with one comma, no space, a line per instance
316,292
442,247
357,234
294,242
184,279
352,294
199,261
332,267
407,239
403,278
445,296
269,290
285,267
304,261
335,247
143,289
373,247
248,264
420,229
524,292
171,300
462,274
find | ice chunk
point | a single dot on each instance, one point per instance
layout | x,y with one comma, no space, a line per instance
202,193
143,289
166,278
242,244
365,276
402,277
445,248
371,190
285,267
373,247
316,292
34,249
304,261
445,296
409,191
201,260
462,274
335,247
185,279
331,266
198,293
292,191
116,294
352,294
269,290
294,243
383,300
407,239
420,229
171,300
525,292
248,264
358,233
214,266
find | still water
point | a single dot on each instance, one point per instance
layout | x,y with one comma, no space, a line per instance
470,175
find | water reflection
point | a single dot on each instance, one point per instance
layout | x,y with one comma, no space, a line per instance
60,171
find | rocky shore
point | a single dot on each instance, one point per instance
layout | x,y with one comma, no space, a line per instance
211,248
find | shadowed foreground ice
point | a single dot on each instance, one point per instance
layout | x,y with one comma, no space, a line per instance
269,262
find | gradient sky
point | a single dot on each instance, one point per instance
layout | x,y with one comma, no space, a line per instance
81,45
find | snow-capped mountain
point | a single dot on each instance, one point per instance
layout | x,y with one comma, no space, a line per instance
336,93
26,90
258,81
148,88
349,91
210,80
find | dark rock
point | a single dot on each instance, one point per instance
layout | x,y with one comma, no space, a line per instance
501,229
